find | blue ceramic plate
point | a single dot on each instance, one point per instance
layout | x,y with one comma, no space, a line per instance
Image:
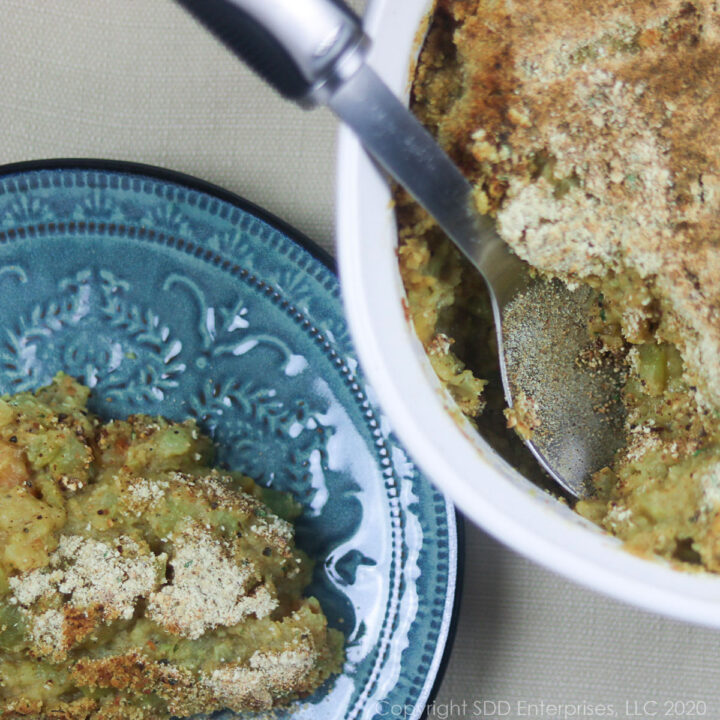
168,296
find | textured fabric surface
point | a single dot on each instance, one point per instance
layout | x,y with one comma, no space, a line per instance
137,80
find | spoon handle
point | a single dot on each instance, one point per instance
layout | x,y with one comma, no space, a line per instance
407,151
304,49
313,51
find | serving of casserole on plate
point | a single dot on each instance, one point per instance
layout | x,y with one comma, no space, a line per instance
144,574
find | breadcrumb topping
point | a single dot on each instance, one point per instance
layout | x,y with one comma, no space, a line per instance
208,588
596,146
710,484
85,574
89,572
265,674
113,576
145,492
48,634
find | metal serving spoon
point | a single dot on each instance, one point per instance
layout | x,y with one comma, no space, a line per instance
314,52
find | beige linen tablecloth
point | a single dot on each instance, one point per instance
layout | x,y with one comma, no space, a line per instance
137,80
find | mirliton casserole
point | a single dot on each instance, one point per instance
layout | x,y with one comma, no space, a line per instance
590,132
137,582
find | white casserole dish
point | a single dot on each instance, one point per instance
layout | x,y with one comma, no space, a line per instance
482,485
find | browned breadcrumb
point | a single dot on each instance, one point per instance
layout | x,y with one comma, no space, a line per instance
136,672
252,685
85,579
523,416
596,153
265,675
34,710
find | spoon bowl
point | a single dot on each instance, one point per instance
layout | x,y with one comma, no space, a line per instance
563,390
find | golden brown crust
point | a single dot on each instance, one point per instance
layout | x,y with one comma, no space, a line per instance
591,129
36,710
79,623
135,672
